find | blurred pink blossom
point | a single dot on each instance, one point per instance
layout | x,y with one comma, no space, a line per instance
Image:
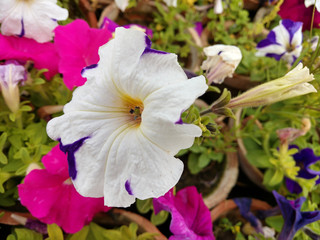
51,197
77,45
43,55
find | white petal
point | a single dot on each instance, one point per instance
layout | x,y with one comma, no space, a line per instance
282,35
126,54
161,113
149,170
297,38
218,8
154,72
309,3
274,48
172,3
122,4
37,18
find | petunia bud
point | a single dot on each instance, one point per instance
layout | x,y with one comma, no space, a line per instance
10,75
294,83
218,8
221,62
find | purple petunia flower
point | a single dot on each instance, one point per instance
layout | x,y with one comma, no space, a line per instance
244,205
294,219
283,42
304,159
190,216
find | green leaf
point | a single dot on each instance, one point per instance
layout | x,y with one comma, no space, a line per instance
12,117
239,236
213,89
24,155
196,148
4,176
276,178
203,160
182,152
15,140
98,233
258,158
11,237
193,163
147,236
275,222
25,108
3,139
54,232
26,234
81,235
3,158
144,206
216,156
160,218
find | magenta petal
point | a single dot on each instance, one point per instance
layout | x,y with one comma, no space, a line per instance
190,216
295,10
53,163
50,196
77,45
43,55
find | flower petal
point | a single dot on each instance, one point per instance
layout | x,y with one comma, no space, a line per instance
159,126
190,216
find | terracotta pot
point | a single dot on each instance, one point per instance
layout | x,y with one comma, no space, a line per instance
240,82
251,4
229,205
226,183
8,220
115,217
252,172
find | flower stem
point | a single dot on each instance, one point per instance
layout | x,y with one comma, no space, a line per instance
312,20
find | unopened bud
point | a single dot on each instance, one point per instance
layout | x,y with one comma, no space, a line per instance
293,84
221,62
11,73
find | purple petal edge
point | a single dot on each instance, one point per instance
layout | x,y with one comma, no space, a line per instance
88,67
150,50
22,29
292,27
179,121
71,149
128,187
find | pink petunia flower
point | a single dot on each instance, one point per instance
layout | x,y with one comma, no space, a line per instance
50,195
190,216
77,45
43,55
296,10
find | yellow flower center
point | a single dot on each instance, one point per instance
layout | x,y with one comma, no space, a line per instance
26,1
135,108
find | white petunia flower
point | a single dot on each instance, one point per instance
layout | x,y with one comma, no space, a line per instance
309,3
221,62
31,18
122,128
